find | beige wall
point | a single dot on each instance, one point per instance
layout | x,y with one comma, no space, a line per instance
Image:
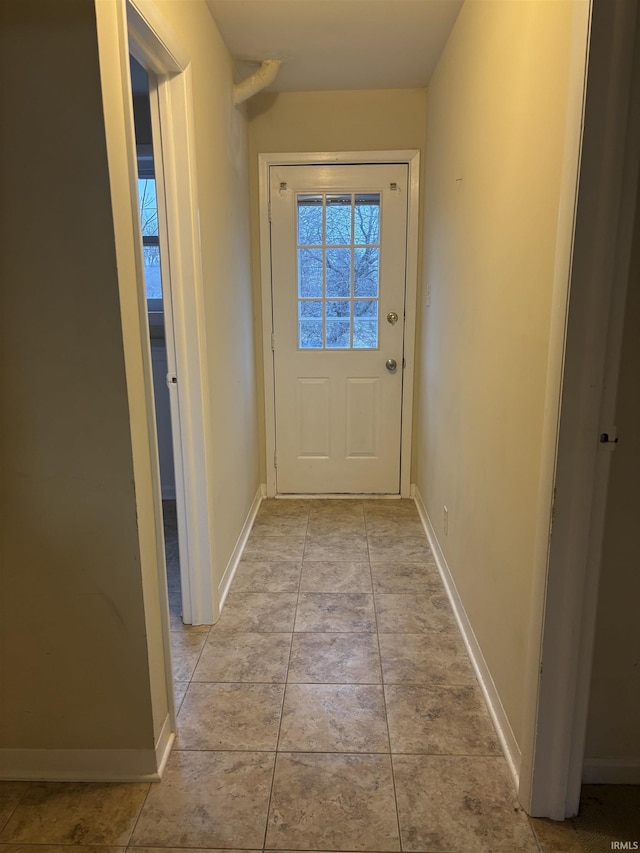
495,136
614,709
223,190
74,670
81,657
366,120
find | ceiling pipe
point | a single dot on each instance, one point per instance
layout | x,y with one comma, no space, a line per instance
266,74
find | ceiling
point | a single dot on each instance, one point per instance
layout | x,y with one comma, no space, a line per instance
338,44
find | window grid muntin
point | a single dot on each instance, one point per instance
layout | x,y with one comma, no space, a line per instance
324,298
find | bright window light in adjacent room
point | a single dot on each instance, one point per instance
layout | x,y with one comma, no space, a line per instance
149,222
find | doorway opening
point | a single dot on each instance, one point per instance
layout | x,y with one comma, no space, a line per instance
155,272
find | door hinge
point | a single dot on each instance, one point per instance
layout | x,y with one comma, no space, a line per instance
275,458
273,342
171,380
269,211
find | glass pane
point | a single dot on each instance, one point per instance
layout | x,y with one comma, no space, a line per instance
339,308
338,324
365,324
149,223
152,278
310,308
338,333
309,272
309,220
366,272
338,219
148,206
366,308
365,334
310,333
339,272
367,218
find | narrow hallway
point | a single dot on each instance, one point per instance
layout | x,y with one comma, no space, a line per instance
337,654
332,708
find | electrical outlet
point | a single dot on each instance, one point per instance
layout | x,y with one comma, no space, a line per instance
445,520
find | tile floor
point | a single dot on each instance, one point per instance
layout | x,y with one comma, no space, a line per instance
332,708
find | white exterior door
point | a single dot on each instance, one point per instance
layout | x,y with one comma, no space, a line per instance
339,246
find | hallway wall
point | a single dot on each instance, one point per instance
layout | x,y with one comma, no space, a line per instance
74,668
223,195
363,120
495,137
81,650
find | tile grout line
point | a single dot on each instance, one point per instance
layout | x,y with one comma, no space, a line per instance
140,810
190,680
423,684
13,810
535,835
284,691
489,755
384,697
177,712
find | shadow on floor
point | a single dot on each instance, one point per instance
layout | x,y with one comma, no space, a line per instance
609,815
170,519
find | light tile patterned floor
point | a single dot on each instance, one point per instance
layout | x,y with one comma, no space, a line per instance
332,708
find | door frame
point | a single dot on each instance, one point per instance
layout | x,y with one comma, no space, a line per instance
410,158
138,28
156,46
581,402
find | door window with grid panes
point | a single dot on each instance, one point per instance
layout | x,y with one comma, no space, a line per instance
338,247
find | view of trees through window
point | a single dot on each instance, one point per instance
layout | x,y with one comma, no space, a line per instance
338,270
150,242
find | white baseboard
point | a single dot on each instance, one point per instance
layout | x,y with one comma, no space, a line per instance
496,710
79,765
340,496
232,565
611,771
164,745
88,765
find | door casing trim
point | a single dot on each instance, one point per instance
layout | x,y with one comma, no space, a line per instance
581,404
410,158
137,27
155,45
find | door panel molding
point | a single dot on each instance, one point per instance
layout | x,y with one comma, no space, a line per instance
362,395
410,158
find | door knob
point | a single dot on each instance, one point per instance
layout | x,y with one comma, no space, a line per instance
392,318
391,364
